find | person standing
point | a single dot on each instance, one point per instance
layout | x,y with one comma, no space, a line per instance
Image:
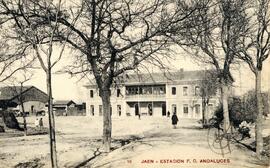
168,114
174,120
40,122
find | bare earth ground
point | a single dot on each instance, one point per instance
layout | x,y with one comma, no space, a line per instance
134,142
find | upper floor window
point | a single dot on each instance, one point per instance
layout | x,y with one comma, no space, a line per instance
118,92
91,93
173,90
197,90
185,91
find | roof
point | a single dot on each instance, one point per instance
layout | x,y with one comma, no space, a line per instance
9,92
11,95
160,78
63,102
164,77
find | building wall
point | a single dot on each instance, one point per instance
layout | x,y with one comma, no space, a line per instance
96,102
179,101
35,105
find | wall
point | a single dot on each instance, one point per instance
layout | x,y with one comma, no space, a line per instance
37,106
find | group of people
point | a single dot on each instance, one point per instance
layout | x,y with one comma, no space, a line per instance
39,122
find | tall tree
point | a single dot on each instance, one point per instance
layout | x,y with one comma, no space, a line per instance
112,37
210,35
116,36
18,91
208,88
36,24
254,50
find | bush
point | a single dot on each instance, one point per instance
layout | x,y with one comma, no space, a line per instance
242,109
10,120
2,129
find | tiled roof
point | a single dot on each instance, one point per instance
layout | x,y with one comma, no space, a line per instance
9,92
164,77
152,78
63,102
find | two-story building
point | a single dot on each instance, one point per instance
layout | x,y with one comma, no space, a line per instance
154,95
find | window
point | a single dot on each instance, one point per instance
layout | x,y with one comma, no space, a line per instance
119,110
185,109
91,93
174,108
100,109
197,108
118,92
173,90
92,110
197,90
185,91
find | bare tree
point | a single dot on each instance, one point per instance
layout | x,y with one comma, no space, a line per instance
112,37
211,36
208,88
116,36
36,24
18,91
254,50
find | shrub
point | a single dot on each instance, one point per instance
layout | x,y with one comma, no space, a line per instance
2,129
10,120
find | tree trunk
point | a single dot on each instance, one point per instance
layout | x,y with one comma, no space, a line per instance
51,121
224,97
24,120
107,121
258,131
23,111
203,113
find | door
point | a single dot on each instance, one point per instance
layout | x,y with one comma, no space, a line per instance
150,109
163,106
136,106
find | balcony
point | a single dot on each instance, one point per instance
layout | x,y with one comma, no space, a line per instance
146,97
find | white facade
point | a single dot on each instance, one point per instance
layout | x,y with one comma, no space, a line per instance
152,99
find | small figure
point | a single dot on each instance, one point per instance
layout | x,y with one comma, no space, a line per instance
40,122
139,115
174,120
168,114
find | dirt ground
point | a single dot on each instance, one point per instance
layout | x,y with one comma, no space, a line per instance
149,142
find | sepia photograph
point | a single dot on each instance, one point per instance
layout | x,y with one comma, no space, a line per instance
134,83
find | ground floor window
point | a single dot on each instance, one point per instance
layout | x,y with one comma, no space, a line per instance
185,109
174,108
197,108
92,110
119,110
100,110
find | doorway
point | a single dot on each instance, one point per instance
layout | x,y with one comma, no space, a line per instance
137,111
150,109
163,106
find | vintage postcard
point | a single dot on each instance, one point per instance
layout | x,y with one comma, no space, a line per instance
133,83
